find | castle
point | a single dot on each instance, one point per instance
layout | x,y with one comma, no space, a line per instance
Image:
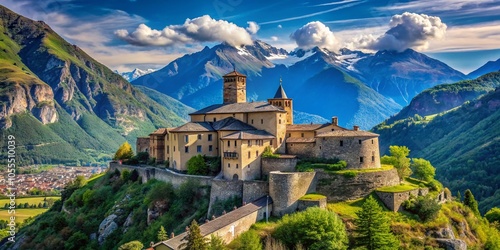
239,131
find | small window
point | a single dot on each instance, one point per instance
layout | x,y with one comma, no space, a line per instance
235,143
228,144
215,119
210,148
199,136
301,134
252,121
229,165
257,142
209,137
373,158
341,143
186,149
289,134
271,142
174,148
372,141
249,142
261,121
257,153
281,140
361,159
168,150
236,165
359,141
333,129
279,121
186,138
198,148
249,155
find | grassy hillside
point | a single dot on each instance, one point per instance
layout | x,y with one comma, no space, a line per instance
70,223
462,144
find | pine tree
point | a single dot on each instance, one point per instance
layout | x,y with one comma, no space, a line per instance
162,234
194,239
471,202
216,243
373,229
124,152
459,196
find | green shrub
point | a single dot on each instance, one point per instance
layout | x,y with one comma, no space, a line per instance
268,153
196,166
426,207
350,174
493,215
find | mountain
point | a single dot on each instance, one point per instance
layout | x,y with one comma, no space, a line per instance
403,75
62,105
447,96
491,66
134,74
462,143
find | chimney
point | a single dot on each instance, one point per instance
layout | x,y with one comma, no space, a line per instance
356,128
335,121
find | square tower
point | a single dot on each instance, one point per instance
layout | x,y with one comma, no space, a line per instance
281,100
235,89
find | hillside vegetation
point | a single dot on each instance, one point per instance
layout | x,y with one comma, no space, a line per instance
462,144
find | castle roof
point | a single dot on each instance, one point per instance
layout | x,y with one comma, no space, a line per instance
241,107
160,131
249,135
305,127
280,93
231,124
234,73
194,127
347,133
220,222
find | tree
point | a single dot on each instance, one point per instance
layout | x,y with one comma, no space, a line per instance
162,234
249,240
459,196
196,166
132,245
216,243
399,159
124,152
493,215
372,227
426,207
471,202
194,240
314,228
422,169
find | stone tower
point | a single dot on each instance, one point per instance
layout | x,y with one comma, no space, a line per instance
281,100
235,89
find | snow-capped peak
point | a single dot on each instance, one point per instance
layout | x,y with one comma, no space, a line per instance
136,73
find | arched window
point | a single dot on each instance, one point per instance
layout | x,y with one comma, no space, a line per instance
235,177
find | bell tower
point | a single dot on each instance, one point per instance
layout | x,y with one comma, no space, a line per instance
235,89
281,100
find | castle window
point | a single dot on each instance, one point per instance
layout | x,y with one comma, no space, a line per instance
361,159
271,142
235,143
261,121
252,121
186,138
198,148
280,104
289,134
373,158
281,140
341,143
279,121
257,142
301,134
372,141
186,149
228,165
199,136
257,153
333,129
249,155
359,141
236,165
209,137
174,148
210,148
234,114
249,143
215,119
228,144
168,150
319,147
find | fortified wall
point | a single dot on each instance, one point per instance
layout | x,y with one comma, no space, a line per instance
286,188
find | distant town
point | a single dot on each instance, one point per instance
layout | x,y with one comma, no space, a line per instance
39,180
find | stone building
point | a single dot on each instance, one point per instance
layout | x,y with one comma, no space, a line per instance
239,131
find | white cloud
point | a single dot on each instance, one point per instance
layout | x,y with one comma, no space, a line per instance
280,26
408,30
200,29
435,5
481,36
274,38
252,28
315,34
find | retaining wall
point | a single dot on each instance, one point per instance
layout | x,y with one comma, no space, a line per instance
278,164
287,188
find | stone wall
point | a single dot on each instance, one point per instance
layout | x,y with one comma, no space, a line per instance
337,187
147,173
287,188
253,190
351,151
305,150
304,204
283,164
142,144
393,201
224,189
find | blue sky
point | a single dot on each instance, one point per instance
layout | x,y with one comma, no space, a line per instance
150,33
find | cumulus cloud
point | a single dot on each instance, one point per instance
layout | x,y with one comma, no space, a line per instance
200,29
315,34
408,30
253,27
